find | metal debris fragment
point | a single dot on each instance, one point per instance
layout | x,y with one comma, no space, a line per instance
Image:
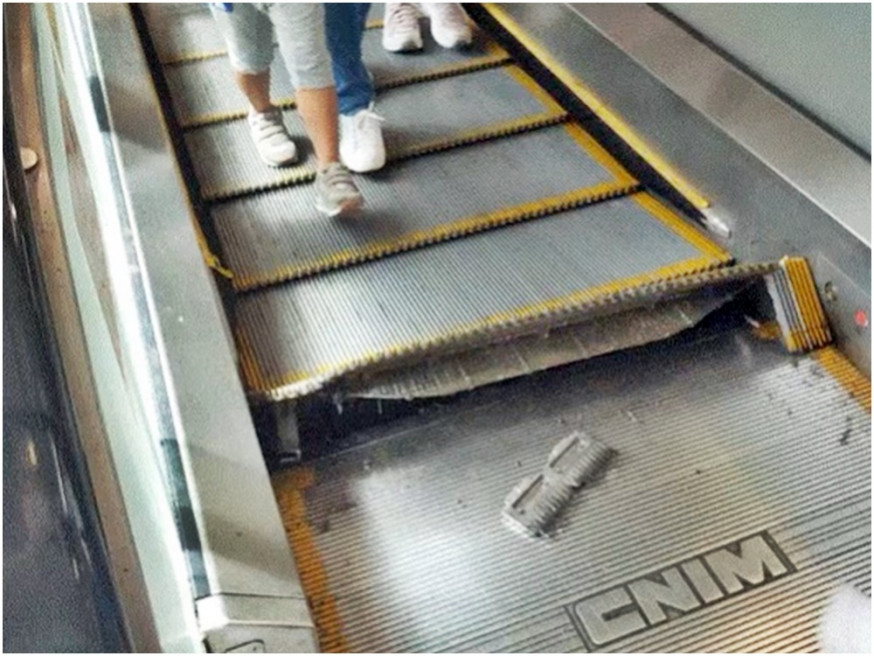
532,506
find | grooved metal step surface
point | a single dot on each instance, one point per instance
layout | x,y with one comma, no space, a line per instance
739,499
427,117
271,237
295,336
494,208
204,90
183,31
186,31
462,372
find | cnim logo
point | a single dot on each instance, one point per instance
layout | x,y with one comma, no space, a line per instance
678,590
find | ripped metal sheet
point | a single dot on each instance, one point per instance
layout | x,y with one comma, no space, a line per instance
463,372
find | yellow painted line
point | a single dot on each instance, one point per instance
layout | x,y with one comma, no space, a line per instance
544,308
682,228
174,59
414,239
480,135
533,88
842,370
768,331
249,362
211,118
495,57
191,57
596,152
289,487
812,314
591,99
306,172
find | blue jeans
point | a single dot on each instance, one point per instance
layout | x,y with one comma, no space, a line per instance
344,27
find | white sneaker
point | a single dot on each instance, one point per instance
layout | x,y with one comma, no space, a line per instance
361,145
271,137
336,192
400,31
449,24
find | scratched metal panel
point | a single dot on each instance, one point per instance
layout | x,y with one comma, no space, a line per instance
204,87
717,440
315,324
263,233
224,157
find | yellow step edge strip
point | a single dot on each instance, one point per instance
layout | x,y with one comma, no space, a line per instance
593,102
845,373
411,240
682,228
306,172
175,59
495,56
288,488
810,308
592,148
527,82
272,386
768,331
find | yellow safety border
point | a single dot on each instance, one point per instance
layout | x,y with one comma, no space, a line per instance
273,387
622,184
554,113
306,172
288,488
814,330
495,56
443,232
593,102
183,57
845,373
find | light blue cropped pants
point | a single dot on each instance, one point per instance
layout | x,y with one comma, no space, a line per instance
248,29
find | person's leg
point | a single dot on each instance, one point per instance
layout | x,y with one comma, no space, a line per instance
318,109
256,87
300,30
361,144
248,34
344,26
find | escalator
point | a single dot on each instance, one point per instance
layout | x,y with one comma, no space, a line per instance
512,281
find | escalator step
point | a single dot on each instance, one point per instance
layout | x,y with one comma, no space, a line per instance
418,119
280,235
731,465
204,92
294,338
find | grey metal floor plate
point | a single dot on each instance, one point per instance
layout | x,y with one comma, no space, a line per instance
280,235
721,443
200,89
416,117
317,328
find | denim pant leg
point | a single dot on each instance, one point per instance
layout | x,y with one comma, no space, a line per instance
344,24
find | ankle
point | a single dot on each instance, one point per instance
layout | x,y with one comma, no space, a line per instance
261,109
